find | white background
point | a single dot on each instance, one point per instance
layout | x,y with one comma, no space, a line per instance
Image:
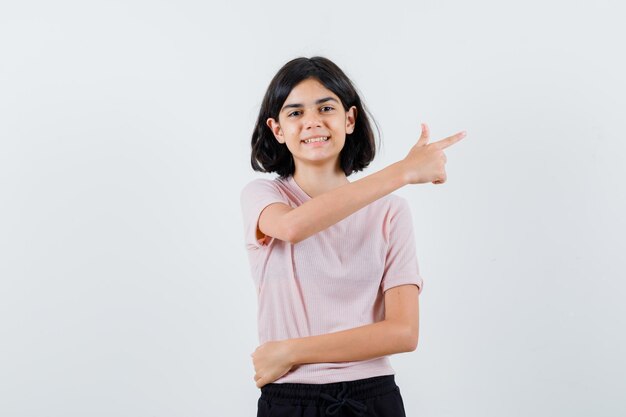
124,142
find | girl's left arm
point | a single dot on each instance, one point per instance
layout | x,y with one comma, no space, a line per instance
397,333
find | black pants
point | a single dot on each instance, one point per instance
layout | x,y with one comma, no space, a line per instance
372,397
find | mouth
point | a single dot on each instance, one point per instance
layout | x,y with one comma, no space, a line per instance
316,140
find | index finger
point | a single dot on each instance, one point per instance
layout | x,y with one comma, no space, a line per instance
444,143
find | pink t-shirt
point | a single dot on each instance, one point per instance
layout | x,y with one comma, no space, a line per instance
331,281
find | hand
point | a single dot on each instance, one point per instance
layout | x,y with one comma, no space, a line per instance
426,162
271,361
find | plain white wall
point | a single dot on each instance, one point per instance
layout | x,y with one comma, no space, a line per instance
124,143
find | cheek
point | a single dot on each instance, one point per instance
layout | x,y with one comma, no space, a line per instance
290,130
340,124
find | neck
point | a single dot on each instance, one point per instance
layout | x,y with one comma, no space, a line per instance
319,180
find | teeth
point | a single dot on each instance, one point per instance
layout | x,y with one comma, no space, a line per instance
320,139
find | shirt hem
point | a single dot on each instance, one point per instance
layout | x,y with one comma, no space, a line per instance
324,378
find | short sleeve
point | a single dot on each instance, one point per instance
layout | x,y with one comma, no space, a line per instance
255,196
401,266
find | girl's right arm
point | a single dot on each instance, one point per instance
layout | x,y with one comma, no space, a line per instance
424,163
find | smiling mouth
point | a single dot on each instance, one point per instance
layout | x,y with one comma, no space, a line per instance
316,140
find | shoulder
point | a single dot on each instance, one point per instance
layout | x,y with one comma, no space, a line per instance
262,184
399,210
262,191
396,213
391,210
397,200
391,204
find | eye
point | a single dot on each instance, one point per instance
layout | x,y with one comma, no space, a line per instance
293,112
328,107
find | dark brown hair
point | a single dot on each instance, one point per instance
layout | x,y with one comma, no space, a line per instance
268,155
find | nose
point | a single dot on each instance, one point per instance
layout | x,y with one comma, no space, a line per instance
312,120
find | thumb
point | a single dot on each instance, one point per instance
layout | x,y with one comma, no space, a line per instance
425,137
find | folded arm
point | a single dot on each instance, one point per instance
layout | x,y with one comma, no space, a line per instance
397,333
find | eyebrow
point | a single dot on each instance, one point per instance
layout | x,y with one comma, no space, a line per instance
320,101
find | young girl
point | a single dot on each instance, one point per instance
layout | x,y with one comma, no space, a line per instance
333,261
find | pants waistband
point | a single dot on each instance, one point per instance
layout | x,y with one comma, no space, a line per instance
356,389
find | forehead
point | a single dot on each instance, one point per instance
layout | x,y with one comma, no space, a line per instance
307,92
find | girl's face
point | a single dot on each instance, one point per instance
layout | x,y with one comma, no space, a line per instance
311,111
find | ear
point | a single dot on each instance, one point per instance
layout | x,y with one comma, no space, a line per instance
351,119
276,130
